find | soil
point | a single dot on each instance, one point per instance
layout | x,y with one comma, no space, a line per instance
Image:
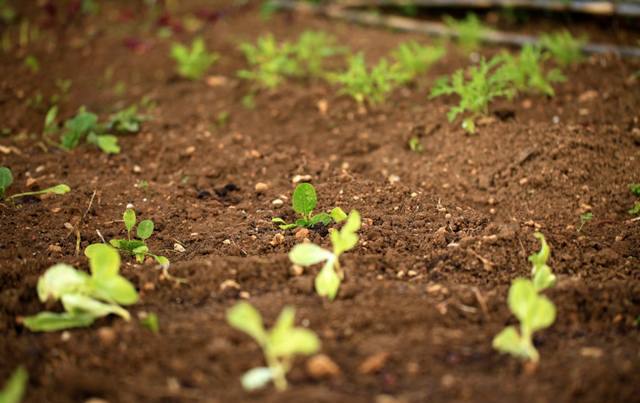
445,231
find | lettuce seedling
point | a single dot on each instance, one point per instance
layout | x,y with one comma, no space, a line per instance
193,63
482,87
535,312
541,273
137,247
126,120
6,179
270,63
84,297
366,85
585,218
15,388
526,72
328,280
468,31
84,125
635,189
280,344
304,201
564,48
412,59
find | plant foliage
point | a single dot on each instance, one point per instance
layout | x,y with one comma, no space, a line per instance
193,62
304,201
137,247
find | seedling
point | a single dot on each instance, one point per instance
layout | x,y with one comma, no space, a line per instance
565,49
526,71
126,120
541,273
304,201
328,280
193,63
137,247
585,218
270,63
468,31
31,62
15,388
6,179
415,144
312,48
476,93
150,321
84,297
413,59
535,312
635,189
84,125
280,344
366,85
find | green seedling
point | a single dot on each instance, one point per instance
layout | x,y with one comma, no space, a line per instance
84,297
6,179
137,247
535,312
415,144
526,71
280,344
412,59
31,62
14,389
150,321
193,63
635,189
311,49
270,63
126,120
476,92
304,201
585,218
541,274
468,32
564,48
84,125
366,85
328,280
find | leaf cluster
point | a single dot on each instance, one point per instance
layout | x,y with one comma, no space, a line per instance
468,31
541,274
84,297
565,49
137,247
6,180
304,201
279,344
193,62
364,84
526,71
412,59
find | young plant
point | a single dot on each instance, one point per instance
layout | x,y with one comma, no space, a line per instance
468,31
193,63
541,274
476,92
526,71
137,247
6,179
585,218
534,311
413,59
280,344
84,297
328,280
311,49
15,388
304,201
84,125
635,189
366,85
126,120
270,63
565,49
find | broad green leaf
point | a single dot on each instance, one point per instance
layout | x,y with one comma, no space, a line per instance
61,279
243,316
280,330
6,179
51,321
338,215
77,304
542,314
304,198
108,143
323,218
162,260
543,278
353,222
129,218
104,260
145,229
141,250
15,387
115,289
256,378
307,254
522,295
295,341
508,341
327,282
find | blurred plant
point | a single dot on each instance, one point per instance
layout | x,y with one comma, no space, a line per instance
564,48
15,387
193,62
6,179
413,59
366,85
468,31
526,71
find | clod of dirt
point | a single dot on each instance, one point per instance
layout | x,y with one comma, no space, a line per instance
321,366
261,187
301,234
374,363
278,239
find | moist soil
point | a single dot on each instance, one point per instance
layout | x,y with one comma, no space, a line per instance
444,231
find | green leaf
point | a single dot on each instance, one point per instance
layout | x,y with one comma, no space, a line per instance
540,258
635,188
508,341
129,218
104,260
327,282
278,220
542,314
58,190
6,179
162,260
543,278
304,199
347,238
15,387
128,245
115,289
295,341
323,218
77,304
338,215
283,326
307,254
51,321
151,322
145,229
108,143
522,295
59,280
243,316
256,378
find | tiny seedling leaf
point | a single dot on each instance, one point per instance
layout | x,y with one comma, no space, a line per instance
338,215
150,321
327,282
243,316
145,229
129,218
6,179
307,254
59,280
14,389
52,321
104,260
304,199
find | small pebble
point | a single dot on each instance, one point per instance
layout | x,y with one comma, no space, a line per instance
321,366
106,335
296,270
179,248
301,234
278,239
227,284
261,187
277,203
301,178
137,169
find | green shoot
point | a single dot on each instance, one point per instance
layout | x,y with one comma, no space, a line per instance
312,48
193,63
6,179
415,144
475,93
585,218
541,273
126,120
366,85
280,344
635,189
535,312
413,59
137,247
328,280
150,321
526,73
84,297
468,31
270,63
564,48
304,201
31,62
84,125
14,389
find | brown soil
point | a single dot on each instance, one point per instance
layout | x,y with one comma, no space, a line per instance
417,287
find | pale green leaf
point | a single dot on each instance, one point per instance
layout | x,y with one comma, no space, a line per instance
508,341
542,314
338,215
522,295
14,389
144,229
51,321
304,198
296,341
6,179
115,289
543,278
104,260
129,218
82,304
327,282
108,143
243,316
61,279
540,258
307,254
